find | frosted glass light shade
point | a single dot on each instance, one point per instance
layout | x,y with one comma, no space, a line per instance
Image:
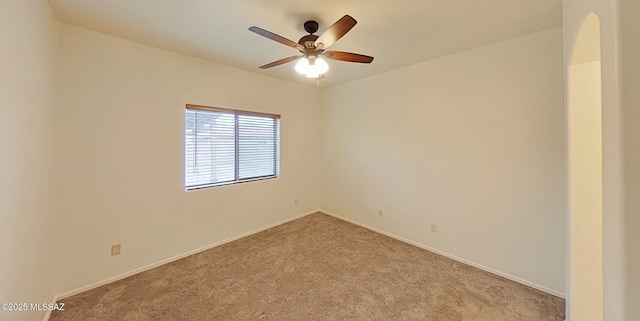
302,66
321,66
312,68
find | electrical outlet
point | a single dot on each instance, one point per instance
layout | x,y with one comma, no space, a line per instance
380,213
115,249
434,228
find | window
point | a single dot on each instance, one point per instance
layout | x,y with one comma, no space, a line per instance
225,146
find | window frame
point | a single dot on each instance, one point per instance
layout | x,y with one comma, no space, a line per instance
234,112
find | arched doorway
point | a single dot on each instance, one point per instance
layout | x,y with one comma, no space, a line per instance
585,202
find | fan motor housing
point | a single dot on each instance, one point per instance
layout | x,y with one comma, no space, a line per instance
308,41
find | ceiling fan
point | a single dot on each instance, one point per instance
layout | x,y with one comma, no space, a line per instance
313,47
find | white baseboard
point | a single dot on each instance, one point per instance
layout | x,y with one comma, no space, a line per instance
169,260
48,314
453,257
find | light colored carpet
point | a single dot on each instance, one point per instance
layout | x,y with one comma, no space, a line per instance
314,268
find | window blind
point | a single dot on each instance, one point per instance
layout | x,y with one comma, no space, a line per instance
224,146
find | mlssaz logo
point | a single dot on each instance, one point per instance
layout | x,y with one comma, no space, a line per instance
46,306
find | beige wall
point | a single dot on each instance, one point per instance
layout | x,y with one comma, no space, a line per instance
28,55
613,247
630,11
472,142
585,190
121,146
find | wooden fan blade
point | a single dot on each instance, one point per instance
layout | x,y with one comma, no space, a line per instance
348,56
273,36
280,62
335,32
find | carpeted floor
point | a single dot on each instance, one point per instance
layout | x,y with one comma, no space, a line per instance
314,268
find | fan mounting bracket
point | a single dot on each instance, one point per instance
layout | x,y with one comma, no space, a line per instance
311,26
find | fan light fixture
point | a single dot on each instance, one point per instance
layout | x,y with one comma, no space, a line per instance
314,48
312,66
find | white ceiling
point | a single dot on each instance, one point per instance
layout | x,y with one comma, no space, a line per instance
397,33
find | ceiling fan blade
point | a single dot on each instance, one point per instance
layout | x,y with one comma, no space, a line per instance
335,31
280,62
348,56
273,36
